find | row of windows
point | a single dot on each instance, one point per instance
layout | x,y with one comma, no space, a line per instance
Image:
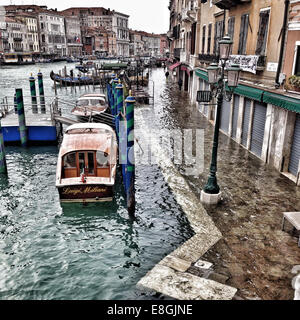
122,22
243,36
51,18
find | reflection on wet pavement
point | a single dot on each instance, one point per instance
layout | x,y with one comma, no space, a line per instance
254,255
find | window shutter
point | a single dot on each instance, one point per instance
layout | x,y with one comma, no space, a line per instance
203,38
245,33
209,38
262,33
215,38
231,23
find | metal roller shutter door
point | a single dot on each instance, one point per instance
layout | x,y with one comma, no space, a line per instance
295,149
246,119
258,128
235,116
225,115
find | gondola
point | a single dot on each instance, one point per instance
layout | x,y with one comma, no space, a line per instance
78,81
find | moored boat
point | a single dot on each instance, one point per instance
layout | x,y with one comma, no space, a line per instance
87,161
90,106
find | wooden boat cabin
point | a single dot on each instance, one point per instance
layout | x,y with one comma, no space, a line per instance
87,162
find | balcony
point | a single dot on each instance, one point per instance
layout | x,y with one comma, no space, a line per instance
227,4
208,58
18,38
3,35
188,15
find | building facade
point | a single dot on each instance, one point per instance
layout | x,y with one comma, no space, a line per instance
52,32
264,113
164,45
73,36
97,31
121,29
16,36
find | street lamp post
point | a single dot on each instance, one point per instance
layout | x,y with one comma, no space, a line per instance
216,77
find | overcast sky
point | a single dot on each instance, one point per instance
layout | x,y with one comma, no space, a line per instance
150,16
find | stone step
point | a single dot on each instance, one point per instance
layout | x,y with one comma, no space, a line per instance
184,286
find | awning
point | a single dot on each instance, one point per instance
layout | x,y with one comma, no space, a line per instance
249,92
201,74
185,68
175,65
282,101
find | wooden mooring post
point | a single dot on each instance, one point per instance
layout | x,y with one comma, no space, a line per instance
130,167
21,117
41,91
3,165
33,94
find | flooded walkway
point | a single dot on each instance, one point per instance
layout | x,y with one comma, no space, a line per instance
254,255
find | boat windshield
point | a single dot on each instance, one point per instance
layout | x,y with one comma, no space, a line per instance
91,102
83,102
96,102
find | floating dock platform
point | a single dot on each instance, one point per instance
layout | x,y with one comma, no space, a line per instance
40,128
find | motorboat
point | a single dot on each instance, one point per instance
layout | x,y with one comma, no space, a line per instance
87,162
90,106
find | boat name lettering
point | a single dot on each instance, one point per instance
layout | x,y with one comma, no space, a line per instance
83,191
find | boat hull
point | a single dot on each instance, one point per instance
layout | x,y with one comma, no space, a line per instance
85,193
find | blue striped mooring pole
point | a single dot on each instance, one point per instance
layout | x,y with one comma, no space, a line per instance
120,101
33,94
3,166
21,116
115,83
130,168
112,97
109,95
41,91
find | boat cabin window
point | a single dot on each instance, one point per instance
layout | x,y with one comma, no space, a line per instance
70,160
91,163
102,159
81,161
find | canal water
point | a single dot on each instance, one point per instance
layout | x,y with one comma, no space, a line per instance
78,252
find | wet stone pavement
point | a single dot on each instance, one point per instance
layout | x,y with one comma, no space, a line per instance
254,255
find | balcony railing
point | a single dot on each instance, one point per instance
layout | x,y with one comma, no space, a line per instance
227,4
188,15
18,38
208,58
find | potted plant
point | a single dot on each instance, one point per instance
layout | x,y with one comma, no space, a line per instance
293,83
